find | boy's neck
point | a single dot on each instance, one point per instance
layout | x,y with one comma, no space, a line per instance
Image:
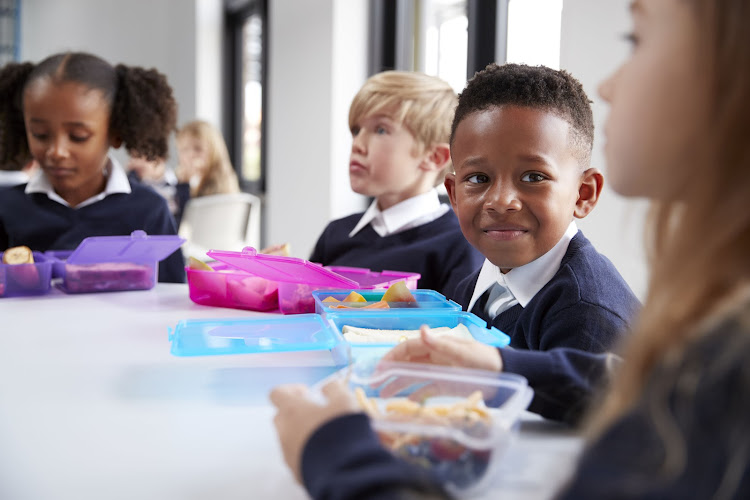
390,200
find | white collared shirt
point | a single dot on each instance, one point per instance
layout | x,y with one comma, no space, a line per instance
408,214
525,281
12,178
117,182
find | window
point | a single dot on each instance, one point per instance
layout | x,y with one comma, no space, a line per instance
455,38
442,40
9,31
246,62
534,32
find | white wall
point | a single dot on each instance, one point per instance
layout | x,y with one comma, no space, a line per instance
317,61
164,34
591,48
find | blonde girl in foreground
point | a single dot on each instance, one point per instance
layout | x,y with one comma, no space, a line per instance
676,422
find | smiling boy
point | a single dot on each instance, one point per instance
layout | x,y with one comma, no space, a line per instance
521,146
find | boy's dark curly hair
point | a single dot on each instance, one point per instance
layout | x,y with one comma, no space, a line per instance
531,86
143,109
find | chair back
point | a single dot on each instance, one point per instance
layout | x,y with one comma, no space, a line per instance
220,222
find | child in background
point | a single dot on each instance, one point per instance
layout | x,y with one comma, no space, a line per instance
204,161
157,175
521,148
66,113
675,423
400,124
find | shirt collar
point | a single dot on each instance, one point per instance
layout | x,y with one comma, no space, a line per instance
409,213
117,182
525,281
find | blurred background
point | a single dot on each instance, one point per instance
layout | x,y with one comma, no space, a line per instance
277,77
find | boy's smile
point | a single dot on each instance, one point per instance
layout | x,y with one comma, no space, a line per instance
517,183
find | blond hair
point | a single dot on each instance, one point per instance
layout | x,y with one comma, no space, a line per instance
699,243
219,177
422,103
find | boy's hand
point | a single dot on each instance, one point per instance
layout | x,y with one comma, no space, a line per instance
446,350
298,417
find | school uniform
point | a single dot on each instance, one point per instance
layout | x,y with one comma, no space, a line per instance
34,215
418,235
572,296
694,409
10,178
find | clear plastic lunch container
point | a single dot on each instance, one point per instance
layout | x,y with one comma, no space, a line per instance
113,263
303,332
298,278
425,299
457,423
409,324
19,280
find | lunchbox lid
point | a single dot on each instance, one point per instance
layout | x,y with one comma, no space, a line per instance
302,332
284,269
138,247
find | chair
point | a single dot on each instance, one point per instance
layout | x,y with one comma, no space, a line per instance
220,222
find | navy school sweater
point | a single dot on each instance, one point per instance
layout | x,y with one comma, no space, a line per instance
579,316
706,419
42,224
436,250
586,305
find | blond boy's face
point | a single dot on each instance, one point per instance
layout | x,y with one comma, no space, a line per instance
516,182
385,161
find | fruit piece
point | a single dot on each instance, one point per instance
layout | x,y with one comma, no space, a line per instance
198,265
354,297
331,299
18,255
23,271
398,292
381,304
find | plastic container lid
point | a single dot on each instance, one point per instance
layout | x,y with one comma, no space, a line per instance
284,269
138,248
304,332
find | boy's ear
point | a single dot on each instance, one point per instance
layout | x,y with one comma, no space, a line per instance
592,182
450,186
437,156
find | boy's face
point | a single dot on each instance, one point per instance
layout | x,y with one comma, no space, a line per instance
384,162
516,182
67,126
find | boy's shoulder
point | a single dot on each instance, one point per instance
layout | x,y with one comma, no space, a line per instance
589,277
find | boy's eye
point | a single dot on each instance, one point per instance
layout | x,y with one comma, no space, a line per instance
533,177
380,130
355,131
79,138
477,179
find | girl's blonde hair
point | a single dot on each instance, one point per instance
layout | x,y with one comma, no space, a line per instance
700,243
219,177
422,103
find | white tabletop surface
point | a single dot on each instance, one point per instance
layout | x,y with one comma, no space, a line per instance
94,406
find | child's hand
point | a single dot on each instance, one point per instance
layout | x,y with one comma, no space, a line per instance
446,350
298,417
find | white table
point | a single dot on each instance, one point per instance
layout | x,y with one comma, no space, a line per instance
93,406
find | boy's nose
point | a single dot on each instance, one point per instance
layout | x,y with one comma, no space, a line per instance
503,199
359,145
